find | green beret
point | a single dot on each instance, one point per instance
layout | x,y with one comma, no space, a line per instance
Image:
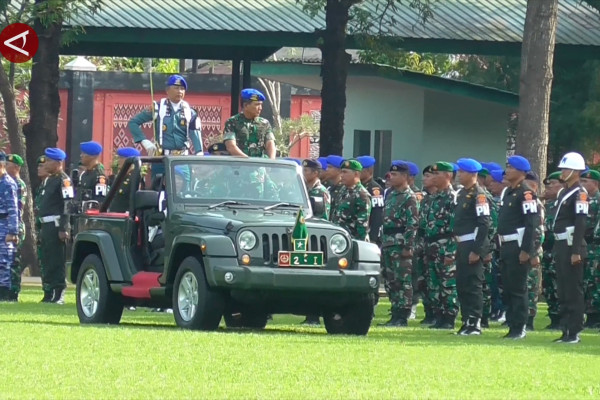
41,159
591,174
15,159
442,166
483,172
352,164
554,175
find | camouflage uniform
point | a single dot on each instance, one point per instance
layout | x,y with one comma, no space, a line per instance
422,278
318,190
548,266
590,286
9,225
17,268
251,136
488,280
495,281
352,211
334,193
400,223
535,273
439,245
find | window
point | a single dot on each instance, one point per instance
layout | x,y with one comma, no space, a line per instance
362,143
383,151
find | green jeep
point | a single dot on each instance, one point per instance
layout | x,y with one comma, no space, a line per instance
213,238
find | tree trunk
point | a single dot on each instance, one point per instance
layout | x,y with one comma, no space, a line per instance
537,56
334,72
44,100
28,251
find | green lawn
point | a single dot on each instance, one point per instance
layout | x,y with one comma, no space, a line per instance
45,353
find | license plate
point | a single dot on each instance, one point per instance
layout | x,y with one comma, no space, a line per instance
300,259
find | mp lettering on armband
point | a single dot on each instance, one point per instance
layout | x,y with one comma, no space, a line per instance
67,189
482,208
530,204
581,205
100,189
377,202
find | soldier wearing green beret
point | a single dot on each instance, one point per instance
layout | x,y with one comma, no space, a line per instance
591,280
14,162
353,206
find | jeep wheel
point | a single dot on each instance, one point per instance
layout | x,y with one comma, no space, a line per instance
354,319
96,302
195,305
246,319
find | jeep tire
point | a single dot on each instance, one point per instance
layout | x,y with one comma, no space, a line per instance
353,319
195,305
96,302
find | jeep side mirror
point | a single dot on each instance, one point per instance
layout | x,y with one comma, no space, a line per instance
318,206
146,199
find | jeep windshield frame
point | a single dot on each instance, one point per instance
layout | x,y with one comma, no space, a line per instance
256,182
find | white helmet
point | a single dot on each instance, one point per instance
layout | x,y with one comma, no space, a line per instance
572,161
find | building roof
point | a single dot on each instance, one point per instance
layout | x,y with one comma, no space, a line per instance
218,29
309,76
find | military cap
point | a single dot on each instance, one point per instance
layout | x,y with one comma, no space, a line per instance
428,169
335,161
41,159
366,161
310,163
55,154
591,174
468,165
399,166
252,95
182,171
553,176
15,159
2,156
177,80
519,163
483,172
91,148
532,176
128,152
323,161
352,164
497,175
442,166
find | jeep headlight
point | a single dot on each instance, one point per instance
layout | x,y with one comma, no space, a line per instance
247,240
338,243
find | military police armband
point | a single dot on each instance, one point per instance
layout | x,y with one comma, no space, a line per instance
581,204
100,189
377,198
67,189
482,208
529,205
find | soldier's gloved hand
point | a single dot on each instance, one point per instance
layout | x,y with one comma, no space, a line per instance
149,146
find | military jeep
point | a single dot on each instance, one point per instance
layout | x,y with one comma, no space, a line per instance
212,238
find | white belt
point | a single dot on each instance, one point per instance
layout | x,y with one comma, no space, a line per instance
466,238
508,238
184,152
50,218
561,236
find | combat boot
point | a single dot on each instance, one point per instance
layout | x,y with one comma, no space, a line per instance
519,332
13,296
429,317
447,322
48,294
572,339
4,293
473,327
530,323
563,337
312,320
58,296
554,323
397,320
485,322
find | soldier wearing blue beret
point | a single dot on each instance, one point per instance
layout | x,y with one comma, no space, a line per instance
92,181
57,190
376,192
247,134
176,123
120,203
9,229
333,177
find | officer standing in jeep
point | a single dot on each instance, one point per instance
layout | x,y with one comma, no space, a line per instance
120,202
247,134
175,123
92,182
54,225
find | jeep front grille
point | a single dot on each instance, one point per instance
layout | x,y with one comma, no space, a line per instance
272,244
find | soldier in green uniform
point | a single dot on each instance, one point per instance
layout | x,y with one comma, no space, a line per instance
120,203
14,162
495,186
440,248
54,225
376,192
42,175
334,178
311,170
92,181
589,180
470,226
353,206
400,224
247,134
552,188
175,124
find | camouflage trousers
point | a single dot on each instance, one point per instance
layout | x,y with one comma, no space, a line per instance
441,285
397,277
488,282
533,289
420,277
591,280
16,270
549,283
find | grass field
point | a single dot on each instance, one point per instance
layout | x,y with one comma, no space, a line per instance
45,353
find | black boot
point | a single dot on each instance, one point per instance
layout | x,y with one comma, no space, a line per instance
398,319
13,296
473,327
4,293
429,317
463,328
312,319
485,322
530,323
48,294
58,296
563,337
447,322
592,321
554,323
518,333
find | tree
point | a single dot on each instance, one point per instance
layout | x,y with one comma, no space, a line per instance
537,56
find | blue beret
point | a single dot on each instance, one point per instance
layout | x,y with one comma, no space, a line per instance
309,162
323,161
182,171
335,161
400,166
519,163
469,165
128,152
413,169
366,161
55,154
497,175
2,156
177,80
454,167
294,160
492,166
253,95
91,148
